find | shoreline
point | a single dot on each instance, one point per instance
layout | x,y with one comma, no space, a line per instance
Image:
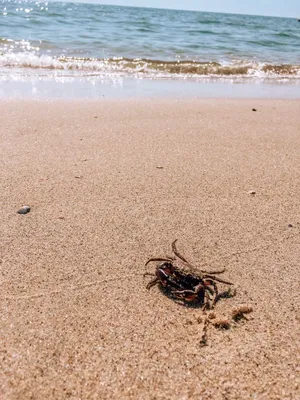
112,183
70,88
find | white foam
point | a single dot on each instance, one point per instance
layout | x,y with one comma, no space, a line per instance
32,63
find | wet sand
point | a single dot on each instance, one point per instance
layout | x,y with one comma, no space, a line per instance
37,87
76,320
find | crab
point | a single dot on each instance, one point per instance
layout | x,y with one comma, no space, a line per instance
184,282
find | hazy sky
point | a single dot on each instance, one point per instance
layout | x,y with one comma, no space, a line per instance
281,8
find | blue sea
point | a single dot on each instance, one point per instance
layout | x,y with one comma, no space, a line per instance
69,40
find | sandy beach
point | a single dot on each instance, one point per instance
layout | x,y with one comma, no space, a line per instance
112,183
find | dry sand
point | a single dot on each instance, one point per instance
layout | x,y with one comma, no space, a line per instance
76,320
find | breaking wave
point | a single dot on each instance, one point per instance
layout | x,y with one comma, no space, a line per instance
148,68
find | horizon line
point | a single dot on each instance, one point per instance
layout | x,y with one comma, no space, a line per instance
171,9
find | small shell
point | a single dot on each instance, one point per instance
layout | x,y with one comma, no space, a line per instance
24,210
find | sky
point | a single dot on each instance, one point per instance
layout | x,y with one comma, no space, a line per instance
280,8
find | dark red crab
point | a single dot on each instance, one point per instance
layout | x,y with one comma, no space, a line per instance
185,282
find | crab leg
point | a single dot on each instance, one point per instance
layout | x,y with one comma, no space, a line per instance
206,303
158,259
216,293
187,291
152,283
217,279
213,272
175,251
186,295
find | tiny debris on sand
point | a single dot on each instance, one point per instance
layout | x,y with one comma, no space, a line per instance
222,323
239,312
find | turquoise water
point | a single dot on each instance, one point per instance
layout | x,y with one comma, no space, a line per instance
70,39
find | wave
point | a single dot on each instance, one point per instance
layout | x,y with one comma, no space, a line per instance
287,35
149,68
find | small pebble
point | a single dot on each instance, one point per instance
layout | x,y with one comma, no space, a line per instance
290,225
254,109
78,176
252,192
159,167
24,210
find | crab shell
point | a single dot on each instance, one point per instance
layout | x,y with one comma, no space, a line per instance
181,283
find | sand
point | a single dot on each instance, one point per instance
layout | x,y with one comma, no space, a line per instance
76,320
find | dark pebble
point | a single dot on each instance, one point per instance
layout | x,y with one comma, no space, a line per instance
24,210
290,225
254,109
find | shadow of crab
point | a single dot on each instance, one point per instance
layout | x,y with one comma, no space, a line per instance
226,294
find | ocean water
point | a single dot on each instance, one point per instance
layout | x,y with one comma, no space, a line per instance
69,40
